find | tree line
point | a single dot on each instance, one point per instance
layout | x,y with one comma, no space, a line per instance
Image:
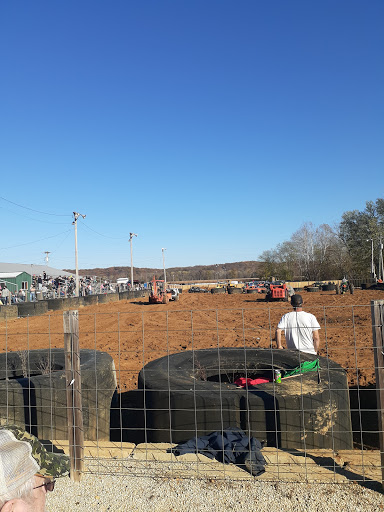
323,253
312,253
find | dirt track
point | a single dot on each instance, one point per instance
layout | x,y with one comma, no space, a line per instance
134,332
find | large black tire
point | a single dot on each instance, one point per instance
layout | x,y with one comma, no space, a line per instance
328,287
218,290
233,289
38,403
313,289
191,394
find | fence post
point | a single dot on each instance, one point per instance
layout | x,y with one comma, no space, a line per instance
73,387
377,314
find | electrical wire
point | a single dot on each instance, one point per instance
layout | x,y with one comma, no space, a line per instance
31,218
36,211
105,236
35,241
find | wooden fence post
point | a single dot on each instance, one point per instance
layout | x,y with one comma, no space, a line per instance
73,386
377,314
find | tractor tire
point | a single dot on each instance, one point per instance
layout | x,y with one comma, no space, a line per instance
218,290
233,289
337,289
351,289
192,393
38,403
313,289
328,287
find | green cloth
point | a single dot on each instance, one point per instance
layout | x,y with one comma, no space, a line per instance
306,366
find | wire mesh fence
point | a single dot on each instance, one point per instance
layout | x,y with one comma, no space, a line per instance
192,392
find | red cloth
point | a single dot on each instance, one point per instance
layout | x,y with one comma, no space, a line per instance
242,381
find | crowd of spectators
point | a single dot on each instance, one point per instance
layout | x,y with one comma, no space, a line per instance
44,286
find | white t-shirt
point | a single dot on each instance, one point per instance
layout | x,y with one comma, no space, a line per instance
298,327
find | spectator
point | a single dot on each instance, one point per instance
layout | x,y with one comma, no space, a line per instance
21,295
32,291
301,329
27,471
6,295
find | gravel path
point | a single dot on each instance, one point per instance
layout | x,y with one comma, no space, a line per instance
144,488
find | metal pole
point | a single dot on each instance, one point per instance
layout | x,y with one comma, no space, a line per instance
372,264
377,315
131,235
76,216
381,264
165,275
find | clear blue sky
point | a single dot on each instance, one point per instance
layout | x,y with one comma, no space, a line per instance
212,128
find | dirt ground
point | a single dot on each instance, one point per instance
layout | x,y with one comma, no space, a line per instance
134,332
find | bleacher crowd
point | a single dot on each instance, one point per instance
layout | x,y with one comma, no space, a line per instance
45,287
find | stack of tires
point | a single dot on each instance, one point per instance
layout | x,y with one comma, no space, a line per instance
313,289
218,290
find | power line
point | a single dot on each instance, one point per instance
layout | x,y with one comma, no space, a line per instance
105,236
31,218
36,211
35,241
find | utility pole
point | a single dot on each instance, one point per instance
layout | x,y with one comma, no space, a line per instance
131,235
46,256
165,275
381,263
76,215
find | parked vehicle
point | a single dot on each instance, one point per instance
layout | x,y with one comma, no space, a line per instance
174,294
197,289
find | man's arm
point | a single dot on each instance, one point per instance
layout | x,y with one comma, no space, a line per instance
278,338
316,340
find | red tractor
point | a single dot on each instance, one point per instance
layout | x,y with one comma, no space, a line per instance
158,294
277,291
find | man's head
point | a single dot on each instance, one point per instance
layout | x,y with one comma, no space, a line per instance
27,470
296,301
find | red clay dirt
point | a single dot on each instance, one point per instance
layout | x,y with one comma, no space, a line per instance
134,332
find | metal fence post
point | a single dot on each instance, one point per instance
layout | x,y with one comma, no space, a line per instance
377,314
73,386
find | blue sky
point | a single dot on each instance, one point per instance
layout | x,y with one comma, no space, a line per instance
212,128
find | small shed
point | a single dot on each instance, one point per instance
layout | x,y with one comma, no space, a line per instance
16,281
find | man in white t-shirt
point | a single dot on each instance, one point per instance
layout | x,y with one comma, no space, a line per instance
301,329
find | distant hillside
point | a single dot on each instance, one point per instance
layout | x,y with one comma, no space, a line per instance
196,273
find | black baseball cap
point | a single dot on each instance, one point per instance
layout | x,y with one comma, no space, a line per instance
296,301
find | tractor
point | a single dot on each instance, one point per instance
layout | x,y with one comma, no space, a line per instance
160,295
277,292
344,286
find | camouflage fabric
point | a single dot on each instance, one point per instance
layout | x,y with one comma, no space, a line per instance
51,464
